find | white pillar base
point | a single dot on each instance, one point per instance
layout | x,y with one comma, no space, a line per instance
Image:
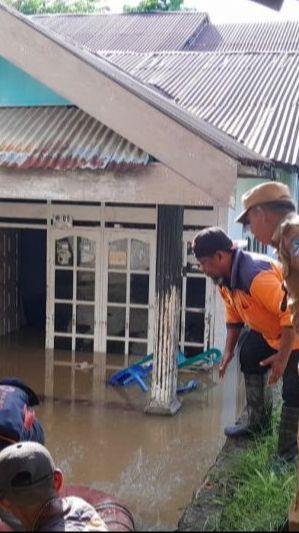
157,408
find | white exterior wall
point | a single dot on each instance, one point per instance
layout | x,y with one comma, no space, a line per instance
117,220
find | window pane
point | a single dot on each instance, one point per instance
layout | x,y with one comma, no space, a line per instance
194,327
85,319
139,289
84,345
196,292
139,323
191,351
117,288
86,251
138,349
192,264
116,321
118,251
86,286
62,343
63,318
140,255
115,348
64,284
64,252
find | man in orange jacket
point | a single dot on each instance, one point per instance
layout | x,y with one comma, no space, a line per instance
251,287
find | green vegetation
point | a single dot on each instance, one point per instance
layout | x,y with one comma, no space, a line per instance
146,6
37,7
256,497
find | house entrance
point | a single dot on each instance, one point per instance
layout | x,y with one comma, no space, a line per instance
23,291
32,284
101,295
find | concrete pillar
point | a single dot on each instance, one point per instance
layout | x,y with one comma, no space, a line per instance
164,399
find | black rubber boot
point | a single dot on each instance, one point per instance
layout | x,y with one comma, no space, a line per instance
287,439
259,408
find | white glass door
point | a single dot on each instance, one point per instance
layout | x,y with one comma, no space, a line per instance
195,316
74,281
129,296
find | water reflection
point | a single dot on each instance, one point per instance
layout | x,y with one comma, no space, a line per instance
101,437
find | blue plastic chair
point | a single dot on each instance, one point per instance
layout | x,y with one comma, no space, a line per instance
191,385
134,373
140,370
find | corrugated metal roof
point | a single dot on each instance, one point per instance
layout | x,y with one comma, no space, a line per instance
251,97
250,37
142,92
142,32
62,138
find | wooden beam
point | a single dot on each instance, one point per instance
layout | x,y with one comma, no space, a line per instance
253,172
74,74
152,185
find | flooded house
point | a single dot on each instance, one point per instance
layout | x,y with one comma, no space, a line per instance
120,137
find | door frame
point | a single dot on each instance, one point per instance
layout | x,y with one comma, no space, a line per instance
54,235
102,236
149,236
188,236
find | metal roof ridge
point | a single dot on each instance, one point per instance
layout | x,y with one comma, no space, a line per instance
264,22
194,52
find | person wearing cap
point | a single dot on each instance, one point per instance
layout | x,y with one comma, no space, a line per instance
18,423
271,214
251,287
31,489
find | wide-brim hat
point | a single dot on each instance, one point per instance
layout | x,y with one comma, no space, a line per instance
265,193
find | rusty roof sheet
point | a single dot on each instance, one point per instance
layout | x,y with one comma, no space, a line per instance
143,92
62,138
252,98
257,37
142,32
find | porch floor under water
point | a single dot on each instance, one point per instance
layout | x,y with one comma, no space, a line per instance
101,437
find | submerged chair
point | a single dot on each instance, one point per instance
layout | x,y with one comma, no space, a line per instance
132,374
141,369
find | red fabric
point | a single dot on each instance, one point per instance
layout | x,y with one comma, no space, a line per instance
114,512
4,527
29,418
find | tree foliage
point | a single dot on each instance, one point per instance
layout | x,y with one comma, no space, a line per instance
146,6
36,7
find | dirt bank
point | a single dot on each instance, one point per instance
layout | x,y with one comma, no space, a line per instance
205,509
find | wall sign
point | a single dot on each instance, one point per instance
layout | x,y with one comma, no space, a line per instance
62,221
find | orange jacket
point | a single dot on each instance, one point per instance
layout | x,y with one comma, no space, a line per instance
254,295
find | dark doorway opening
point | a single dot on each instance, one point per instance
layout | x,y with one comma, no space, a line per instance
23,286
33,280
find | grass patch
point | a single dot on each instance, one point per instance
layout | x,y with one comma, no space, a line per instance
256,497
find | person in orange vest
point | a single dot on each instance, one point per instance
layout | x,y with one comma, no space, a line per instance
251,287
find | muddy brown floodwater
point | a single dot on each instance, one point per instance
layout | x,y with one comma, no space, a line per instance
100,436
